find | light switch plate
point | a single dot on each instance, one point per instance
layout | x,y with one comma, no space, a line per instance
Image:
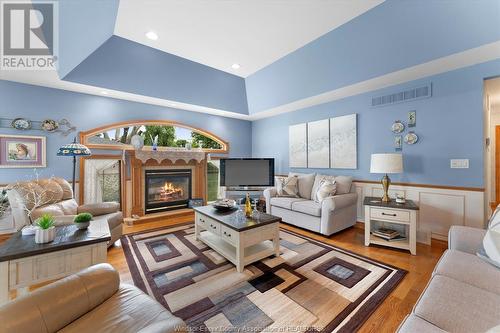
459,163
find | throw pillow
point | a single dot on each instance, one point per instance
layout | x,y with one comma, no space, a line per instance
490,251
326,188
305,184
287,187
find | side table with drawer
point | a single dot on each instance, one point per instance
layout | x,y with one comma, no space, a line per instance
400,217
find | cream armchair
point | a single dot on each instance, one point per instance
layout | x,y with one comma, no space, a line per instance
55,196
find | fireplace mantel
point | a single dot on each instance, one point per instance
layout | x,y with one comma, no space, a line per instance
171,154
178,159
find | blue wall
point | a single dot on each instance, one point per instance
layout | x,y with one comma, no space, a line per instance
83,27
121,64
394,35
89,111
449,125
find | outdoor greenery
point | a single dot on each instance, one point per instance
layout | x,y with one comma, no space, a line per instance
4,202
46,221
166,136
83,218
205,142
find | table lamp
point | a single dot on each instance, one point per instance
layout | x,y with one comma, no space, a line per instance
386,163
74,149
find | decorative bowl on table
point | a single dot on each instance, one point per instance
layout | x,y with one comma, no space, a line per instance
224,205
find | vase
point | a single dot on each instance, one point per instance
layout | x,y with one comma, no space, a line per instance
43,236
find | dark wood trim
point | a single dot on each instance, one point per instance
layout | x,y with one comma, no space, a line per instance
444,187
85,134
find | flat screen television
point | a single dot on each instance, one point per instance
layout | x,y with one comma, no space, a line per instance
247,172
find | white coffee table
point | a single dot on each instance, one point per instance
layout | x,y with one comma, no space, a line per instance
242,243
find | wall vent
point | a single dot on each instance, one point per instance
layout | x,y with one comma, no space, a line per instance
403,96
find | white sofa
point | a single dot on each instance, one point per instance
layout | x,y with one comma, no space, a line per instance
463,294
332,215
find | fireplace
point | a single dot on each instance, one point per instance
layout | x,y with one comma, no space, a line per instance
167,189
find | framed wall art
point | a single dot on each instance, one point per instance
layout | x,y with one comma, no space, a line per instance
297,141
22,151
318,144
343,142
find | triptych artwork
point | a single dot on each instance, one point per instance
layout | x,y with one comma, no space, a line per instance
327,143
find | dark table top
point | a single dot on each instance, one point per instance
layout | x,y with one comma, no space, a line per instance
67,236
229,218
375,201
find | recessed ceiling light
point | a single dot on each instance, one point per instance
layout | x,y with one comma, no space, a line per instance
152,35
235,66
104,92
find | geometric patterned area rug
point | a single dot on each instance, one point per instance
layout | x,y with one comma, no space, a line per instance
312,286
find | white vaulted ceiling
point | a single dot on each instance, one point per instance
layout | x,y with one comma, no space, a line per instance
220,33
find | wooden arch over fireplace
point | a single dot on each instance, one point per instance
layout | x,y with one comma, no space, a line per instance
91,138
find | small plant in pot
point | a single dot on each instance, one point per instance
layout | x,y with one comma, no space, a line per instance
82,220
46,231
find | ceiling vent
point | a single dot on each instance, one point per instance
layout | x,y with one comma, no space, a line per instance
403,96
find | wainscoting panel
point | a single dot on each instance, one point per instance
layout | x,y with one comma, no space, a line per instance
438,212
440,208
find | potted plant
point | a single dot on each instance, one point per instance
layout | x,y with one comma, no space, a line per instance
82,220
46,231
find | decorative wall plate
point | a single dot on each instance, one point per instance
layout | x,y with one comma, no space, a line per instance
411,138
398,127
21,124
49,125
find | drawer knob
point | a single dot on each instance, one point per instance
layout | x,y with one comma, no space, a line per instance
388,214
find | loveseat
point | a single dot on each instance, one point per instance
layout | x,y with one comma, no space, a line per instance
55,196
463,294
327,217
92,300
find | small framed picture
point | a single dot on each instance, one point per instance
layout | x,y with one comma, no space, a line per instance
22,151
412,118
195,203
398,143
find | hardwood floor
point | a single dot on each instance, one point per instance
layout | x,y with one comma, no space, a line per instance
389,315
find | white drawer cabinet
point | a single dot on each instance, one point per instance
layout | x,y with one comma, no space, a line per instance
400,217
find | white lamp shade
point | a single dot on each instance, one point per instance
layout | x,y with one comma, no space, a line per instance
386,163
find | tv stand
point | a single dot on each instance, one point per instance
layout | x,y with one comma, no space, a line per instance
239,193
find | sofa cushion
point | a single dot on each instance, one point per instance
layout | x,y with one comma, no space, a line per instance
491,242
317,181
100,208
307,207
344,184
29,192
306,182
53,209
470,269
66,187
447,303
413,324
69,207
52,191
326,188
287,186
284,202
128,310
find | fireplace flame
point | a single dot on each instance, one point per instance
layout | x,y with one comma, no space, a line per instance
170,191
